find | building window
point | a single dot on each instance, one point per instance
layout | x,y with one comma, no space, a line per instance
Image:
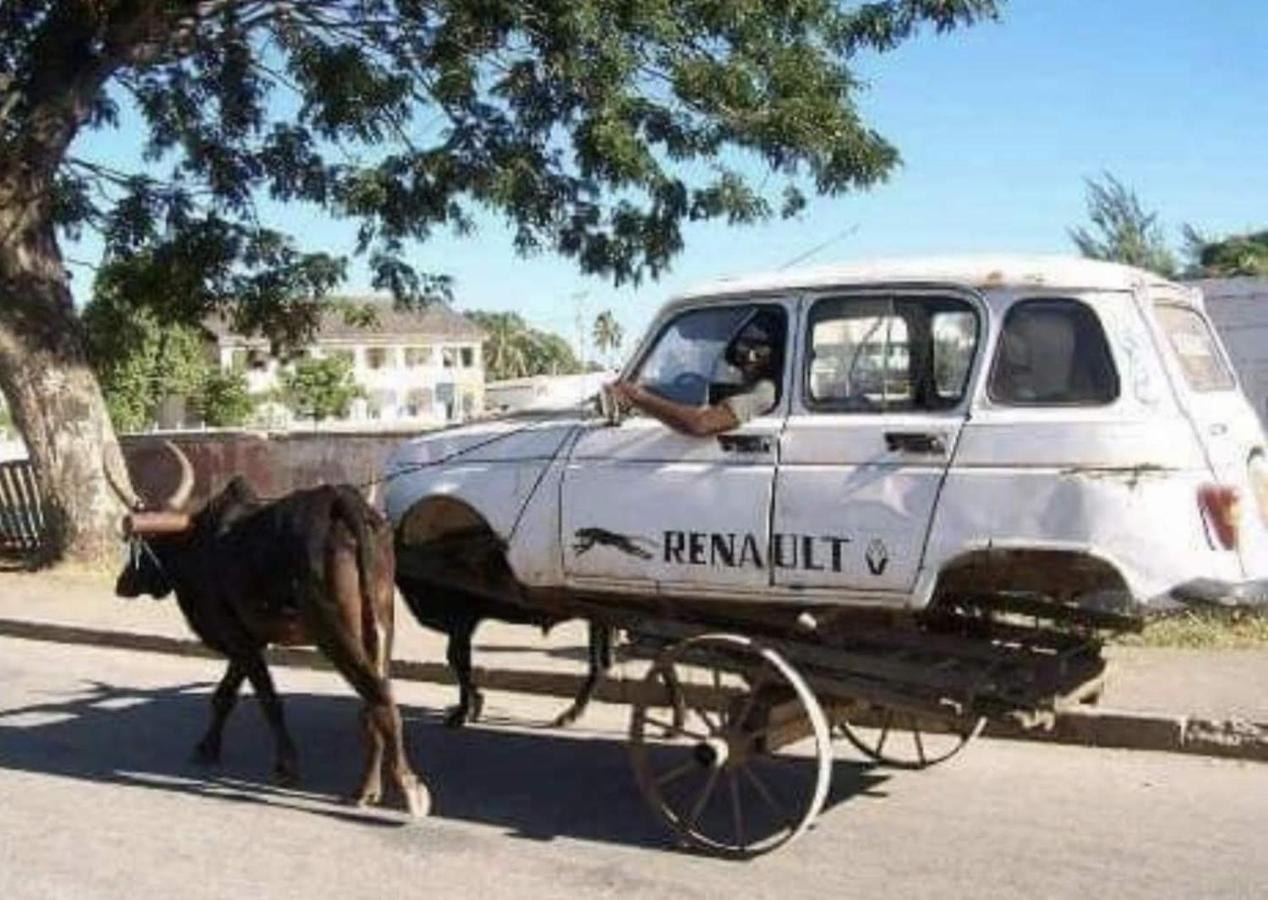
238,360
417,356
449,357
468,357
468,404
381,404
418,403
378,357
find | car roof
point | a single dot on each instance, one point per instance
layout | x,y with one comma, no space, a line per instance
983,272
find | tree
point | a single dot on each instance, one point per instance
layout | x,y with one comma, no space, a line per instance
1122,231
513,349
224,400
576,122
320,388
608,333
138,360
1234,256
504,351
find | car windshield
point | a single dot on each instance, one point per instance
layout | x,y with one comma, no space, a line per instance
688,357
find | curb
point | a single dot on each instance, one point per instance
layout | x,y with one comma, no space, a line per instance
1234,738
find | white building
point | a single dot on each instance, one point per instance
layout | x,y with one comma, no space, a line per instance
541,393
415,367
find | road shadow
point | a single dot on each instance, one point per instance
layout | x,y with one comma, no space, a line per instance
537,785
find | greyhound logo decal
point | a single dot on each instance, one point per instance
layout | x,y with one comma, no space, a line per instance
584,539
877,557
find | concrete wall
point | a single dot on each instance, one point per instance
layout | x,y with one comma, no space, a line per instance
1239,309
273,464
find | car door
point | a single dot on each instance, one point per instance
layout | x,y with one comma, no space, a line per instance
1225,423
881,398
644,508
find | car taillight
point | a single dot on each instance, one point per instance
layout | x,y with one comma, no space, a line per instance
1258,466
1221,507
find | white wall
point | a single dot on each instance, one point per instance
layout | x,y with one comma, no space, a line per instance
1239,309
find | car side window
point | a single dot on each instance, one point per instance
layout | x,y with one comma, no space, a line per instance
881,354
1195,348
1053,352
688,363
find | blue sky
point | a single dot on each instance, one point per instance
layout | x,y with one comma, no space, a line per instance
997,125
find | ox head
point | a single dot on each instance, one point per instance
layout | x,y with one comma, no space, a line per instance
150,530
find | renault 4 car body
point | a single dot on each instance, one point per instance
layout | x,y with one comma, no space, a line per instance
1049,428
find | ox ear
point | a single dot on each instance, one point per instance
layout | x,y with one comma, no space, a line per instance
152,524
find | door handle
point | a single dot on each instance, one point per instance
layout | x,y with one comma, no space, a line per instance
915,442
744,443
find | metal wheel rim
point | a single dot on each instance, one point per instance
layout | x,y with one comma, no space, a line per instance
737,777
884,748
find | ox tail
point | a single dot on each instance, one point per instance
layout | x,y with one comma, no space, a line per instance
362,521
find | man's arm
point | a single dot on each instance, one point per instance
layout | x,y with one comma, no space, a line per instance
697,421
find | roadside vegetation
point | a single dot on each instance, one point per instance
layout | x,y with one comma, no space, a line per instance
1213,629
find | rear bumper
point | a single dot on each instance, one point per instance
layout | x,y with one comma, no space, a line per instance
1214,592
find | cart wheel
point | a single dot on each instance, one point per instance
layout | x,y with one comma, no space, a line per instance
710,736
908,741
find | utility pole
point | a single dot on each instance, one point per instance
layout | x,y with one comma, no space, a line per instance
578,298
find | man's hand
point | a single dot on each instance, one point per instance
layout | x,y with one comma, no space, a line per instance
622,392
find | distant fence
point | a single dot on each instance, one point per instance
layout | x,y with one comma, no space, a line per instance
21,512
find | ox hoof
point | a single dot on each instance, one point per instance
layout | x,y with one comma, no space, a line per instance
286,775
365,798
457,716
418,801
566,718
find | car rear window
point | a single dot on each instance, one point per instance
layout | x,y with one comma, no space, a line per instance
1053,352
1195,348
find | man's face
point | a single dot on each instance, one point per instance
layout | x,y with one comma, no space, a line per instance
753,359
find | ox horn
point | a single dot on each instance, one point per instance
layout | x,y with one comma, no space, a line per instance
185,488
123,489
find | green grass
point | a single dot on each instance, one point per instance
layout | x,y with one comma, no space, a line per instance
1215,629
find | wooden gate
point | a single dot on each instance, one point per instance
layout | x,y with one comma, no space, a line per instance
21,513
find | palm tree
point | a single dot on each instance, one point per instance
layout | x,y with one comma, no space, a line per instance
505,354
608,333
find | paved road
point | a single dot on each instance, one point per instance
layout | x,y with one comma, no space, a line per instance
97,800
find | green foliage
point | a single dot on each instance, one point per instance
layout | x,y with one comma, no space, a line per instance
224,401
139,360
597,128
1237,255
608,333
320,388
1121,229
514,350
1224,629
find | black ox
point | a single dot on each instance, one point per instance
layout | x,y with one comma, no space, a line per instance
314,567
454,584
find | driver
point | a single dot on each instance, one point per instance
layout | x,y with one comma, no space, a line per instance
753,353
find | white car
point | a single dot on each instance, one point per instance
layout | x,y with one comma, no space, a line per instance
1011,431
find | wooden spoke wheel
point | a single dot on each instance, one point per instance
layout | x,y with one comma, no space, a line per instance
729,746
908,740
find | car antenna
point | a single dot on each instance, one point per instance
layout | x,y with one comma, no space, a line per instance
802,257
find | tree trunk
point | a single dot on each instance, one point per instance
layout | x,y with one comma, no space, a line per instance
52,392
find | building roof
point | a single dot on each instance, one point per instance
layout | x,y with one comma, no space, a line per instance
436,321
974,271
